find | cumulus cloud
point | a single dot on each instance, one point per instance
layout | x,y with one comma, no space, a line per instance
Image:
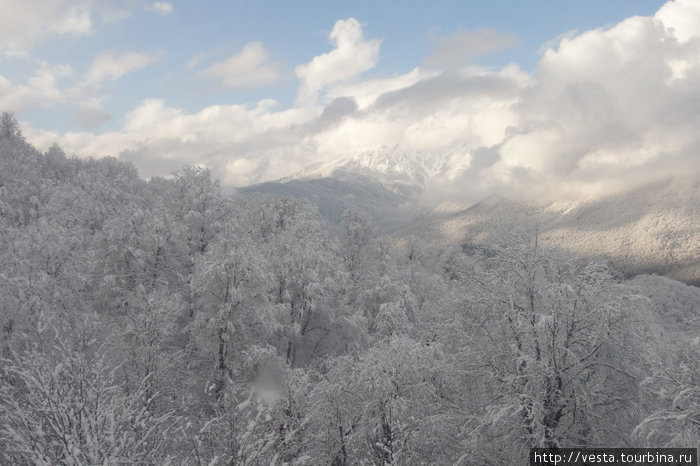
464,46
681,18
247,69
352,55
609,107
23,22
161,8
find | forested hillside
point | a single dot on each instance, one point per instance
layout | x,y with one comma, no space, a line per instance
162,321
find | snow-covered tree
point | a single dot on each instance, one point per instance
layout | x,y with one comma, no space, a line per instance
144,346
674,391
9,127
231,308
359,246
556,340
307,278
390,405
61,403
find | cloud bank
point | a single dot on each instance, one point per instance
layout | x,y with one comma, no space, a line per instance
604,108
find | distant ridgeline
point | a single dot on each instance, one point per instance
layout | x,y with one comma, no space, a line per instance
165,322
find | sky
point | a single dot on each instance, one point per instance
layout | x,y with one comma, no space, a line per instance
555,98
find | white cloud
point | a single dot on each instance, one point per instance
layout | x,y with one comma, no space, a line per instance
365,93
432,113
351,56
112,65
462,47
23,22
555,42
249,68
161,8
74,21
610,106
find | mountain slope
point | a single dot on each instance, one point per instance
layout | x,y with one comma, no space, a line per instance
652,229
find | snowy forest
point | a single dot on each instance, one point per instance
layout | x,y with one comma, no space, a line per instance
170,321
